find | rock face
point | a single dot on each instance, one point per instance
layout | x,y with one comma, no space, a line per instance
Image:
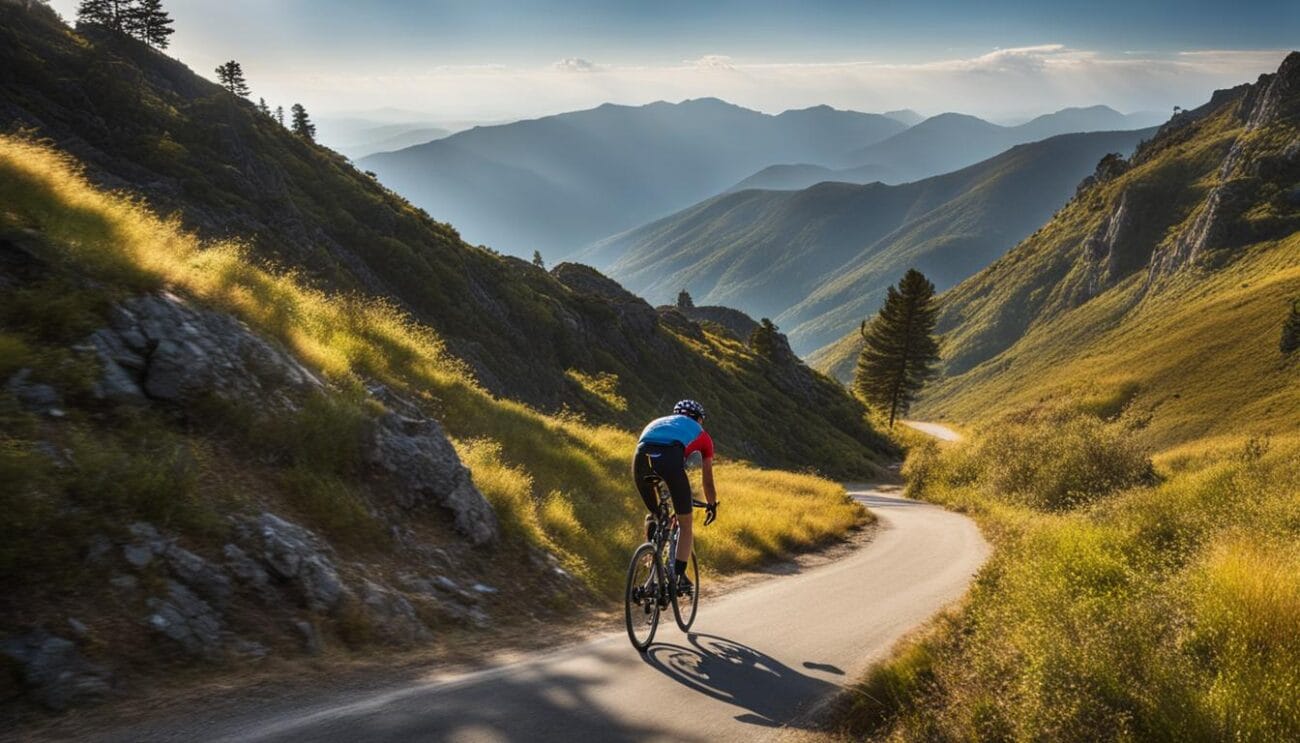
54,671
160,347
416,454
394,614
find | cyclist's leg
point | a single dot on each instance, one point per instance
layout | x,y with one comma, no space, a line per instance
673,470
641,468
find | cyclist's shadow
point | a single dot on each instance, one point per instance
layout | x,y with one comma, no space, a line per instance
774,693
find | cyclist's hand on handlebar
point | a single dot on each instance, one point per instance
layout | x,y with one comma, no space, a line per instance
710,513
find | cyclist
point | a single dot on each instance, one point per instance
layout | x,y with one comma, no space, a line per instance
662,450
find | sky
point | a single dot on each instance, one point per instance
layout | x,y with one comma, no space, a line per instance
460,61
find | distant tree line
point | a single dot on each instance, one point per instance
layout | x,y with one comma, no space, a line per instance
145,20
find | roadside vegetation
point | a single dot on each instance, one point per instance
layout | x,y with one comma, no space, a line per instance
556,481
1130,597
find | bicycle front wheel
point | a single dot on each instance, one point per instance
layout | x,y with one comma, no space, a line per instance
641,598
684,605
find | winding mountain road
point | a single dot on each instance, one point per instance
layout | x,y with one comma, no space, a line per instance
762,659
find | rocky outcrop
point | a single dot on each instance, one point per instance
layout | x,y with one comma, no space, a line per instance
54,672
160,347
413,451
633,313
1274,97
188,620
294,556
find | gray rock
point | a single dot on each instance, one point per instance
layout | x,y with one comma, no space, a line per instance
245,568
420,459
54,672
186,619
393,614
138,555
311,639
297,556
483,588
197,573
446,584
162,347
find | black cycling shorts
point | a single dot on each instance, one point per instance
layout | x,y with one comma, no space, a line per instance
669,463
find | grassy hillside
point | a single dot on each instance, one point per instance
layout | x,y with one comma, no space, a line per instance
559,182
818,260
142,121
72,252
1134,457
1169,280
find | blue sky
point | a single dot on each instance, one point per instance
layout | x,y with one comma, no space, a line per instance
492,59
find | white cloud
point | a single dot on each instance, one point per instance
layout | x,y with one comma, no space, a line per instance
575,64
711,62
1000,83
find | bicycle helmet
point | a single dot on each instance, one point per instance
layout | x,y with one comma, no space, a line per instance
689,408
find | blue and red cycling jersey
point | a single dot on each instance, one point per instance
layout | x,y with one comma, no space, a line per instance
678,429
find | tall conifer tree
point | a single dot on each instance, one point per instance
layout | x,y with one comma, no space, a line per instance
302,125
901,350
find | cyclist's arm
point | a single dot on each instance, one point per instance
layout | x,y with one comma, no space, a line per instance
710,494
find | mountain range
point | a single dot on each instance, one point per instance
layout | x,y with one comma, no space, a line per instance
557,183
818,259
941,144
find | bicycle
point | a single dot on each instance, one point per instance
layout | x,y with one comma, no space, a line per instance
651,584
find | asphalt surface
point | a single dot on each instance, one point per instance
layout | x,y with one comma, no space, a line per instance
760,662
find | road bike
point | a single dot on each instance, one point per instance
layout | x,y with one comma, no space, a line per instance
651,582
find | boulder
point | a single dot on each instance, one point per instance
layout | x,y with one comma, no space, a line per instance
298,557
54,672
418,457
161,347
393,614
187,619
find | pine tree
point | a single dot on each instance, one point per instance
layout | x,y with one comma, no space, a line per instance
95,11
279,115
262,108
1291,330
150,23
537,259
763,339
901,350
302,125
684,301
231,77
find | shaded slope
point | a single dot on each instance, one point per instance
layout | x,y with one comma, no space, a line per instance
559,182
144,122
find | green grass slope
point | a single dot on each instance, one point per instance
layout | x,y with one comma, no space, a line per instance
1169,279
818,260
141,121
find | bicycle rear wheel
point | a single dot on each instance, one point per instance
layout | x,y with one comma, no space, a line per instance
641,597
684,606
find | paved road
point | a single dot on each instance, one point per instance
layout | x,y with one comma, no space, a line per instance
937,430
761,659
